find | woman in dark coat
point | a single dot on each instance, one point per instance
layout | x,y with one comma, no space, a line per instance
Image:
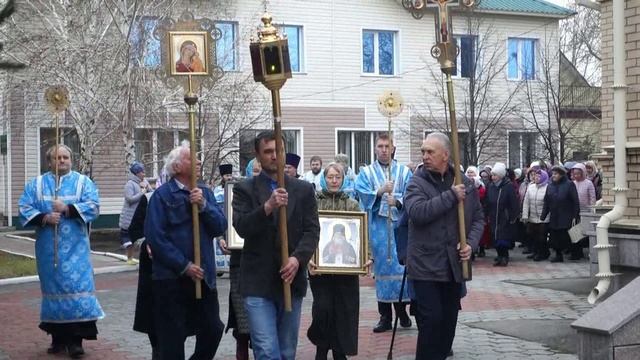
562,205
336,298
501,207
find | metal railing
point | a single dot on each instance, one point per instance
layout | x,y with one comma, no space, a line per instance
579,97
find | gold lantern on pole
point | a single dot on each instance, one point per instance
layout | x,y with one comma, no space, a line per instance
272,67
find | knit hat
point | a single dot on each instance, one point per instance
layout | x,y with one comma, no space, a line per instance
535,165
136,168
518,172
293,160
499,170
474,170
225,169
560,169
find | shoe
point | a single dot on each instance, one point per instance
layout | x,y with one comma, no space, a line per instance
497,260
556,259
382,326
540,258
481,252
75,351
527,251
56,348
450,353
531,256
405,322
574,257
503,262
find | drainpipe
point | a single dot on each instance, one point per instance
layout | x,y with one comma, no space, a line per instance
620,156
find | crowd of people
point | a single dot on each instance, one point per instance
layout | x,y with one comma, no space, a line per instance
535,206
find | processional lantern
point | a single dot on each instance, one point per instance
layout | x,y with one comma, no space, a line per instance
272,67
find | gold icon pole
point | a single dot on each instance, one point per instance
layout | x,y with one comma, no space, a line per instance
390,104
191,99
446,52
57,98
272,67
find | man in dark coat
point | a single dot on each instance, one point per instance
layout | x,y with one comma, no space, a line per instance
433,253
274,332
561,203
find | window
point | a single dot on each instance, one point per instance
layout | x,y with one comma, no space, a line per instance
226,46
296,46
291,140
68,136
466,60
145,49
152,145
463,146
358,145
522,59
522,149
379,52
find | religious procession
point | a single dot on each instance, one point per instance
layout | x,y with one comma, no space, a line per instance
433,202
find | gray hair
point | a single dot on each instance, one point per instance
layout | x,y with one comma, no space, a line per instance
342,158
335,166
52,151
442,138
173,158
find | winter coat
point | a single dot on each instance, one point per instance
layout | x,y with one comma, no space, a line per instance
562,204
432,207
502,208
132,195
533,203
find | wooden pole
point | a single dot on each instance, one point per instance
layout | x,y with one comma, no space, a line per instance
466,269
389,224
282,211
191,100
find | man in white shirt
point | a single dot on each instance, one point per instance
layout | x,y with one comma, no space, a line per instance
315,174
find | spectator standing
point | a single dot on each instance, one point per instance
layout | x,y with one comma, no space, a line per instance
595,176
562,206
134,190
587,198
502,211
532,211
69,308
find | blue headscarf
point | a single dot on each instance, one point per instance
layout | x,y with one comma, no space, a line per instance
248,172
136,168
323,181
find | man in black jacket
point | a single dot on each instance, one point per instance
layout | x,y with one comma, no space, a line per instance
433,253
274,332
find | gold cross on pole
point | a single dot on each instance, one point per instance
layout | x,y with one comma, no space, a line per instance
446,51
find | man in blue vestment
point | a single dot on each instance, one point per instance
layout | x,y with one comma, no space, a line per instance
69,308
169,230
377,193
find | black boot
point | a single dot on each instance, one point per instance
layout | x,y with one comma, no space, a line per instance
481,252
558,258
383,325
321,352
75,348
58,345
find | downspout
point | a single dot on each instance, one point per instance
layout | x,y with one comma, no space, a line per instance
620,157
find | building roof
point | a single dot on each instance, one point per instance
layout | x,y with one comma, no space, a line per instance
525,7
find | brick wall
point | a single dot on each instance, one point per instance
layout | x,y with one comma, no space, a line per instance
632,65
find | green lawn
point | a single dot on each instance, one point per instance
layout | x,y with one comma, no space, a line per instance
14,266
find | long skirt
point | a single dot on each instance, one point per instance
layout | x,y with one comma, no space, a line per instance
335,312
238,319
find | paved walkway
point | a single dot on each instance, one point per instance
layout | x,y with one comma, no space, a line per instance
495,297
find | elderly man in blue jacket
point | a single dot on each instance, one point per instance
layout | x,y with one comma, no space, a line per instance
169,231
433,253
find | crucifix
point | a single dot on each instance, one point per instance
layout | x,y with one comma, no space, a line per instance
446,51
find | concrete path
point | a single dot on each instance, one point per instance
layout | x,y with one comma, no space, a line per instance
518,312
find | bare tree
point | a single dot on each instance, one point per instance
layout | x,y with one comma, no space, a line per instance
482,104
580,41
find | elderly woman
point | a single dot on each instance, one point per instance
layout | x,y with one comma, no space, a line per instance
502,209
562,205
336,298
532,209
594,175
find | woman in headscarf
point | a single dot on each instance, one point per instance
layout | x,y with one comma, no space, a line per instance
596,178
532,210
485,241
562,204
336,298
502,209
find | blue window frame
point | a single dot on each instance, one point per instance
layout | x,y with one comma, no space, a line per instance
145,49
466,60
226,49
296,46
522,59
379,52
